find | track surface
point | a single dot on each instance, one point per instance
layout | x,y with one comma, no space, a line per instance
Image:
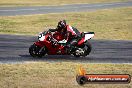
14,49
12,11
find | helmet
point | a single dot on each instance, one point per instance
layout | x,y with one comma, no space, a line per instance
61,24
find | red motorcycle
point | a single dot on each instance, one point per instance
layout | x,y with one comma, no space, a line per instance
55,44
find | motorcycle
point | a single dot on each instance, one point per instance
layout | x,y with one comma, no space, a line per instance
54,44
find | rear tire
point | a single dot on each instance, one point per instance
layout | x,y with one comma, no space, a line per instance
89,48
76,55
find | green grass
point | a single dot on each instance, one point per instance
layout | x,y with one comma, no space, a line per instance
57,74
107,24
51,2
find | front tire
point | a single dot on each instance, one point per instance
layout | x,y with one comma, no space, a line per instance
34,51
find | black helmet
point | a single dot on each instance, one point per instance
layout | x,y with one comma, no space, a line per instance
61,24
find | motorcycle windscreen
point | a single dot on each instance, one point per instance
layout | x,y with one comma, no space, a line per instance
88,35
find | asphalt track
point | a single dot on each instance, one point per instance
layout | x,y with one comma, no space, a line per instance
13,11
14,49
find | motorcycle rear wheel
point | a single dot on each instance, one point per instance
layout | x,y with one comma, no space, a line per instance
87,50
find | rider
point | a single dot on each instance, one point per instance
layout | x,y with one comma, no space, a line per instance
70,33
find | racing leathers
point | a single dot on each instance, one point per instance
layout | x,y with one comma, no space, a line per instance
70,34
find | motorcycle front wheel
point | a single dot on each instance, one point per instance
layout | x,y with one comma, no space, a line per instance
36,51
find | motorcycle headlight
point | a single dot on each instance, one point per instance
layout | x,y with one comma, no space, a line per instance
41,37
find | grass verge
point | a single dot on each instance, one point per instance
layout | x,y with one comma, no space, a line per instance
107,24
56,74
51,2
